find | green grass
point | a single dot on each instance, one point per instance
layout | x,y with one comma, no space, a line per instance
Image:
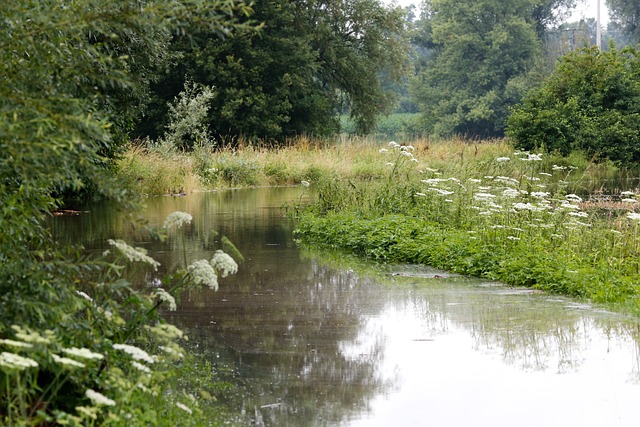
516,221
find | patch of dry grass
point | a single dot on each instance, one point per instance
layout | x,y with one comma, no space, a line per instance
163,172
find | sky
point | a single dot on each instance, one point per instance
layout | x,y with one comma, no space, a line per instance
587,9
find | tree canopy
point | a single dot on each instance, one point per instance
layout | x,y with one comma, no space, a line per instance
625,18
310,61
479,52
591,103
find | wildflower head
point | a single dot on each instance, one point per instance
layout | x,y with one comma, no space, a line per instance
135,352
83,353
305,184
184,407
165,296
67,362
99,398
13,362
134,254
223,263
202,273
177,219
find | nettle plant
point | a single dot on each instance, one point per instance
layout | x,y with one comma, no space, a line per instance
119,371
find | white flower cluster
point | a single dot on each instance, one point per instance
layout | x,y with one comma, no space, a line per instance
33,337
99,398
184,407
15,362
166,331
65,361
165,296
135,352
223,263
177,219
83,353
202,273
134,254
15,344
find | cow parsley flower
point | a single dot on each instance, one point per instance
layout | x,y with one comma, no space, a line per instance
135,352
177,219
83,353
134,254
15,362
67,362
15,344
99,398
202,273
539,194
139,366
84,295
579,214
33,337
223,263
502,159
165,296
511,193
573,198
184,407
305,184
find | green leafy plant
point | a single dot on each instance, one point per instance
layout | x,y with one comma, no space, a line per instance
591,103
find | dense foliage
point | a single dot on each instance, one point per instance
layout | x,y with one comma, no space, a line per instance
72,75
310,61
625,18
479,53
591,103
511,218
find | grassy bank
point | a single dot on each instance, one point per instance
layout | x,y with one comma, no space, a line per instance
496,214
156,171
564,225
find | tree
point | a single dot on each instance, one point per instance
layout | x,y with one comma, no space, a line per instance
310,60
591,103
479,47
70,70
625,18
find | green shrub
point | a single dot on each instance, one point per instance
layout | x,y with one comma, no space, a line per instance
591,103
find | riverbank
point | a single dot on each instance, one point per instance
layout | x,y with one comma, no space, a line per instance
562,225
515,219
155,171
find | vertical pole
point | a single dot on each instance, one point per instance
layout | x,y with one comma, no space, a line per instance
598,27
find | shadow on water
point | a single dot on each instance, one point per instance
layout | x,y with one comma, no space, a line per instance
320,339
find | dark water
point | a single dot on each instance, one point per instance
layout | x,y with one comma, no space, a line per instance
321,341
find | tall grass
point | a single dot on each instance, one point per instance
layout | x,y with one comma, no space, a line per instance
158,170
488,211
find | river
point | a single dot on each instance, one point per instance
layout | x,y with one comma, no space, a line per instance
320,339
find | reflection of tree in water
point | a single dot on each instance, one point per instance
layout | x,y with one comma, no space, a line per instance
297,331
292,332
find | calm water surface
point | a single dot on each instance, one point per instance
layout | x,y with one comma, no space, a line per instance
320,345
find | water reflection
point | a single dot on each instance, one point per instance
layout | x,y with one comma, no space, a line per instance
318,343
